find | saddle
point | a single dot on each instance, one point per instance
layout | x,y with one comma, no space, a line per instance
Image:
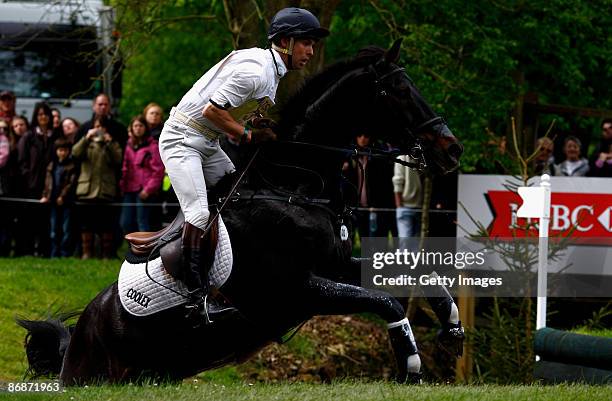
168,242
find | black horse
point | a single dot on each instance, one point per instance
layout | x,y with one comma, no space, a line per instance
289,258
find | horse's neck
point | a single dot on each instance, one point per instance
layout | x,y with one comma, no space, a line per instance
331,117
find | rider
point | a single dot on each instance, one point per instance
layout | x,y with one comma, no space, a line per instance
189,142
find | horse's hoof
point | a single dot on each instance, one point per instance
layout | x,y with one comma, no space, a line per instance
414,378
450,339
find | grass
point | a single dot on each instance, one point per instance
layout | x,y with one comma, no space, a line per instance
594,332
32,287
341,391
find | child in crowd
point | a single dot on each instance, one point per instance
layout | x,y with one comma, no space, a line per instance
142,176
59,192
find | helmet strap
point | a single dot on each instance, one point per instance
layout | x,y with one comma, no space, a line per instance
288,51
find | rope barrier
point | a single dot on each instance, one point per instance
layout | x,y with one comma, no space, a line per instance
175,204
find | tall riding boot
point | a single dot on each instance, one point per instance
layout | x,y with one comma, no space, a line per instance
195,275
86,245
107,246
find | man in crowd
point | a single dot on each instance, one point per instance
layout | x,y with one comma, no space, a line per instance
102,110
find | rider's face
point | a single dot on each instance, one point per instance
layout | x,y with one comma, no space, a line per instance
303,50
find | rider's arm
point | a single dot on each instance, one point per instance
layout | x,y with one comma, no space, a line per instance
224,120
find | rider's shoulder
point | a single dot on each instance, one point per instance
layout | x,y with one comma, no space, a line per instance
254,58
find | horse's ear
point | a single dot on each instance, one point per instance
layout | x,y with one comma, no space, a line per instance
392,55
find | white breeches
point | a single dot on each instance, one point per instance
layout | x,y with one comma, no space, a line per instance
192,162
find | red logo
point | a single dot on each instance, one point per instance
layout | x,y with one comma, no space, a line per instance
588,215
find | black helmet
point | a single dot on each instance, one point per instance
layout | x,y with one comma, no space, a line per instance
297,23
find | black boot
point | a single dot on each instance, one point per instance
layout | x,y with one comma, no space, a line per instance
195,277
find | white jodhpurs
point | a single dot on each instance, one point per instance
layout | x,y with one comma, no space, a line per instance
192,162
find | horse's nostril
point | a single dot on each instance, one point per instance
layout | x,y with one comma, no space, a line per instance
455,150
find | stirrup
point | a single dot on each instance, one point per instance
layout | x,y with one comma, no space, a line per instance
215,309
194,305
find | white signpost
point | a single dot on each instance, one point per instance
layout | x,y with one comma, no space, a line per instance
536,203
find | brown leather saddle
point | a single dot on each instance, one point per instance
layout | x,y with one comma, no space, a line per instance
168,242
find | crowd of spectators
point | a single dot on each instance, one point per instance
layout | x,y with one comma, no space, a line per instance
573,163
71,189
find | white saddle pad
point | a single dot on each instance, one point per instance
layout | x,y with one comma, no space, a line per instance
143,294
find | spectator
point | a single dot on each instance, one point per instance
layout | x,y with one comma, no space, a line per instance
601,165
19,127
100,157
35,151
70,128
5,153
7,106
408,191
143,172
545,161
154,116
372,179
19,215
101,109
5,190
59,192
573,165
57,118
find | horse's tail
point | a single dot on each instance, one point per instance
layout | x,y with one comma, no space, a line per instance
46,343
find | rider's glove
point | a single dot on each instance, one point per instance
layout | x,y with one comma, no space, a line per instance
263,123
262,135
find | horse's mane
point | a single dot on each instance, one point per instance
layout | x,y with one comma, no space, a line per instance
292,113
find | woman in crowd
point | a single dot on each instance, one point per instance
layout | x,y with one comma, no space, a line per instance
573,165
100,157
5,190
19,127
142,175
154,115
35,151
70,128
18,230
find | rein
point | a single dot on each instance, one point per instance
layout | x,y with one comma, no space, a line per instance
372,153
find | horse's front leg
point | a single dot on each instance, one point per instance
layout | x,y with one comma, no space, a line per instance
326,297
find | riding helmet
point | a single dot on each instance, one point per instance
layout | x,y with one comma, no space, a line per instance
297,23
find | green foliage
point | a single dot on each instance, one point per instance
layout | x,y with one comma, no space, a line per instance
601,318
167,48
503,350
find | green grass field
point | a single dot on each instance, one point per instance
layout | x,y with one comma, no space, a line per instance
342,391
31,287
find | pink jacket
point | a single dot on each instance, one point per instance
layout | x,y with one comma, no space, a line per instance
142,167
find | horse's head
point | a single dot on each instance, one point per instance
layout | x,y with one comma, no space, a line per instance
404,118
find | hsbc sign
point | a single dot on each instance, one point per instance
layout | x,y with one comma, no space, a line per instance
580,206
587,214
